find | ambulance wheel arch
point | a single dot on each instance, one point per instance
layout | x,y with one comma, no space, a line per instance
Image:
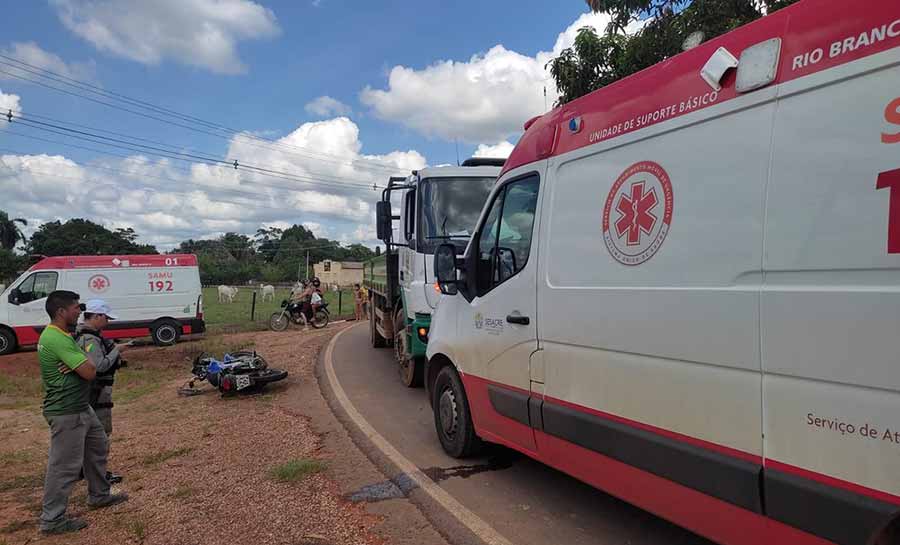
165,332
8,341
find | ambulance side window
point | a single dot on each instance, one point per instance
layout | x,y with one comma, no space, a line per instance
37,286
505,240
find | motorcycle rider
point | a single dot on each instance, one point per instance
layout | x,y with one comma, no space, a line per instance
311,298
106,357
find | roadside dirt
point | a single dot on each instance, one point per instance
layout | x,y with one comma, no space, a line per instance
202,469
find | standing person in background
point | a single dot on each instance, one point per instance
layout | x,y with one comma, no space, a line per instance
77,439
364,291
107,358
358,301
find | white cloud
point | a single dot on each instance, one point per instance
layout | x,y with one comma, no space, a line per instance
485,99
326,106
31,53
202,33
166,204
500,150
8,102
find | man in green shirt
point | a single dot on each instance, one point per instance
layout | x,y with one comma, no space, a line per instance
77,438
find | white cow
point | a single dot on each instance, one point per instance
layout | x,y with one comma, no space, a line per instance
268,292
227,294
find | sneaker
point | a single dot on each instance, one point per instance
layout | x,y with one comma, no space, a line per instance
113,478
109,501
65,526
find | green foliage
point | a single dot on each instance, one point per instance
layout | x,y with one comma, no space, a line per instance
595,61
84,237
272,255
10,233
296,470
11,265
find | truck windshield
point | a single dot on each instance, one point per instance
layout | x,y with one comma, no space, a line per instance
449,209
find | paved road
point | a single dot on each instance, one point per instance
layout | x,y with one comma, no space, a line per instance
526,502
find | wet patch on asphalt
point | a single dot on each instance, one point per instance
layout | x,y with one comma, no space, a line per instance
398,487
497,462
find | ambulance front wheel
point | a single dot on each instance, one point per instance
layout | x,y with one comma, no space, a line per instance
7,342
165,333
452,417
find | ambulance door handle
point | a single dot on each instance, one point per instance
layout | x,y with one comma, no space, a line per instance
518,319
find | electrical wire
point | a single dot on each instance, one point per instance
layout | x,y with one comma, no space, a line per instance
174,154
332,182
229,132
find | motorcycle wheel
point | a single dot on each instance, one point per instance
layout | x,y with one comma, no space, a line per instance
278,321
269,375
320,319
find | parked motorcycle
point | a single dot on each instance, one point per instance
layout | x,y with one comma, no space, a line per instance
292,312
241,372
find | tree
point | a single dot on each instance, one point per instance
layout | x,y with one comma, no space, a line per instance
595,61
84,237
10,265
10,233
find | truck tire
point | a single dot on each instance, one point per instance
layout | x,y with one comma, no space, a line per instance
165,332
410,369
452,418
377,340
8,342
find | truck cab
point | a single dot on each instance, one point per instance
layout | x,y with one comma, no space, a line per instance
436,206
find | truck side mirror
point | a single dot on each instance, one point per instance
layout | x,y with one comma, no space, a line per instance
383,220
14,295
445,269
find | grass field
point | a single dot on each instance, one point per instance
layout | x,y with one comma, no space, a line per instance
236,316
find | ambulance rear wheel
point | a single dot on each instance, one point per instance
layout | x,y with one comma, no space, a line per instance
7,342
452,418
166,333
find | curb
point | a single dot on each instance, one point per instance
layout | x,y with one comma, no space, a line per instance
365,433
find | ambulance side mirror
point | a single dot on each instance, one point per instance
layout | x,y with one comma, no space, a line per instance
445,269
14,295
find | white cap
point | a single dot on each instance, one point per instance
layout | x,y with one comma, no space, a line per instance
99,306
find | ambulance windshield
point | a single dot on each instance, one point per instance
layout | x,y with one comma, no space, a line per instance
449,209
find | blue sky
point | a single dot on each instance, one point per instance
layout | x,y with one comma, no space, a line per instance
405,81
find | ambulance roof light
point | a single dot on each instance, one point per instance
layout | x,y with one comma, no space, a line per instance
715,68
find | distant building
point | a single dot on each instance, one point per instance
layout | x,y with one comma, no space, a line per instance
339,273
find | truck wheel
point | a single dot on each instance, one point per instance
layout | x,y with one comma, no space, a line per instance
377,340
410,369
7,342
166,333
452,418
411,372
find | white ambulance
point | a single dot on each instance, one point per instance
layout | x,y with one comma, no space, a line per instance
153,295
685,287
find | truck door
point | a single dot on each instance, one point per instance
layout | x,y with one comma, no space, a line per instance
408,236
501,319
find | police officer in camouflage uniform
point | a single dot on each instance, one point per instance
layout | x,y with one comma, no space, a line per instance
106,357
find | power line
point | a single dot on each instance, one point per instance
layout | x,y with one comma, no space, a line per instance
179,156
149,189
169,153
252,202
230,132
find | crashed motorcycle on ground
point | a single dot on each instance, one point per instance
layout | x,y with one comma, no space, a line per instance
237,373
293,312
